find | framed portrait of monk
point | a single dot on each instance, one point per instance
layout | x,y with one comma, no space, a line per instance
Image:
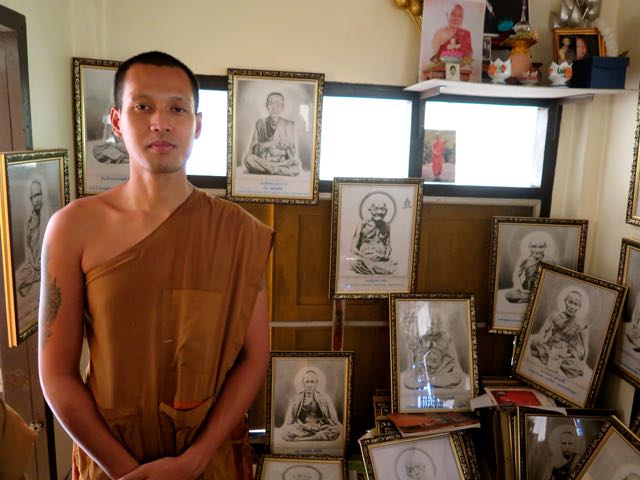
449,455
308,403
33,186
625,358
273,141
633,201
567,334
518,246
289,467
375,230
101,158
433,352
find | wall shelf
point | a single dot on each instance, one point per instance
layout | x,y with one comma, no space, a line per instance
431,88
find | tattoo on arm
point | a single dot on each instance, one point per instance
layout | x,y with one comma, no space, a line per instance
263,285
53,300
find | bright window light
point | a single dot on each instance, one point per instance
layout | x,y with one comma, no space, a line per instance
488,145
209,154
365,137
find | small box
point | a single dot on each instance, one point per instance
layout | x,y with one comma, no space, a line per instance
599,72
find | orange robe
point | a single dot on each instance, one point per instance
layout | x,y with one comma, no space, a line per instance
167,320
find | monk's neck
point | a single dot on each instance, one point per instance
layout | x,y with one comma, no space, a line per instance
163,195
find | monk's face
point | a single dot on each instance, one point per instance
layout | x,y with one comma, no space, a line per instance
567,444
157,121
36,196
456,16
275,104
378,211
537,248
310,382
572,303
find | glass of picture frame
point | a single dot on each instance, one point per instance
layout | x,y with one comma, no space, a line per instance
433,352
567,334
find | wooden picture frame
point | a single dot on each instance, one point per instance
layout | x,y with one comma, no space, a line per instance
273,142
448,455
375,236
518,244
567,334
571,44
633,201
296,376
33,186
625,358
614,454
434,362
290,467
551,443
101,158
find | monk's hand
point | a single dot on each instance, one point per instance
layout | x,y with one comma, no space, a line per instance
168,468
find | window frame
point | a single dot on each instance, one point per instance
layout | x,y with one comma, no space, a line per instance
341,89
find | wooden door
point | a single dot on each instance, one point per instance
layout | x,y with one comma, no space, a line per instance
19,367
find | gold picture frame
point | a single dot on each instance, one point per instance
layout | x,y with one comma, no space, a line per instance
295,376
541,433
273,141
625,358
33,185
518,244
434,360
567,334
375,236
633,202
290,467
101,158
449,455
592,44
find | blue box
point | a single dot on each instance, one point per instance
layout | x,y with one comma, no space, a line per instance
599,72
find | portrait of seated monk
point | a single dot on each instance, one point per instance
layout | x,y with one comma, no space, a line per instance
561,345
632,328
273,150
311,414
29,272
371,242
437,360
524,272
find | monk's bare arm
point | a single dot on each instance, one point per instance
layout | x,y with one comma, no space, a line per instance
60,344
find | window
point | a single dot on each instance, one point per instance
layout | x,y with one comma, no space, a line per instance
504,148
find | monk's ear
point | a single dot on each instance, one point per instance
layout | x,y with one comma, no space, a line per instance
198,124
114,116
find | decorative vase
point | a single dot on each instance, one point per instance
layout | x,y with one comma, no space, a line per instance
559,74
499,71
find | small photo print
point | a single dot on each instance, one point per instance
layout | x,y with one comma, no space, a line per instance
439,156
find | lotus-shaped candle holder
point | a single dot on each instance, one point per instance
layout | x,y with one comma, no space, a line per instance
559,74
499,71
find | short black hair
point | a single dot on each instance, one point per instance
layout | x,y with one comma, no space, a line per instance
159,59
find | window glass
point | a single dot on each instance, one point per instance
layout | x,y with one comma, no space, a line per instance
486,145
209,154
365,137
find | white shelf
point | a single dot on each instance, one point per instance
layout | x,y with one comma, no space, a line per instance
431,88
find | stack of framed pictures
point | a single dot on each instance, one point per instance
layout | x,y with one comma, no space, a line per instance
308,414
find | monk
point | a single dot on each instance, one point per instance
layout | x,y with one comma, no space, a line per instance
438,148
167,283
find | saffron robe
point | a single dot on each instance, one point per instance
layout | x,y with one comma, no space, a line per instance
166,321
